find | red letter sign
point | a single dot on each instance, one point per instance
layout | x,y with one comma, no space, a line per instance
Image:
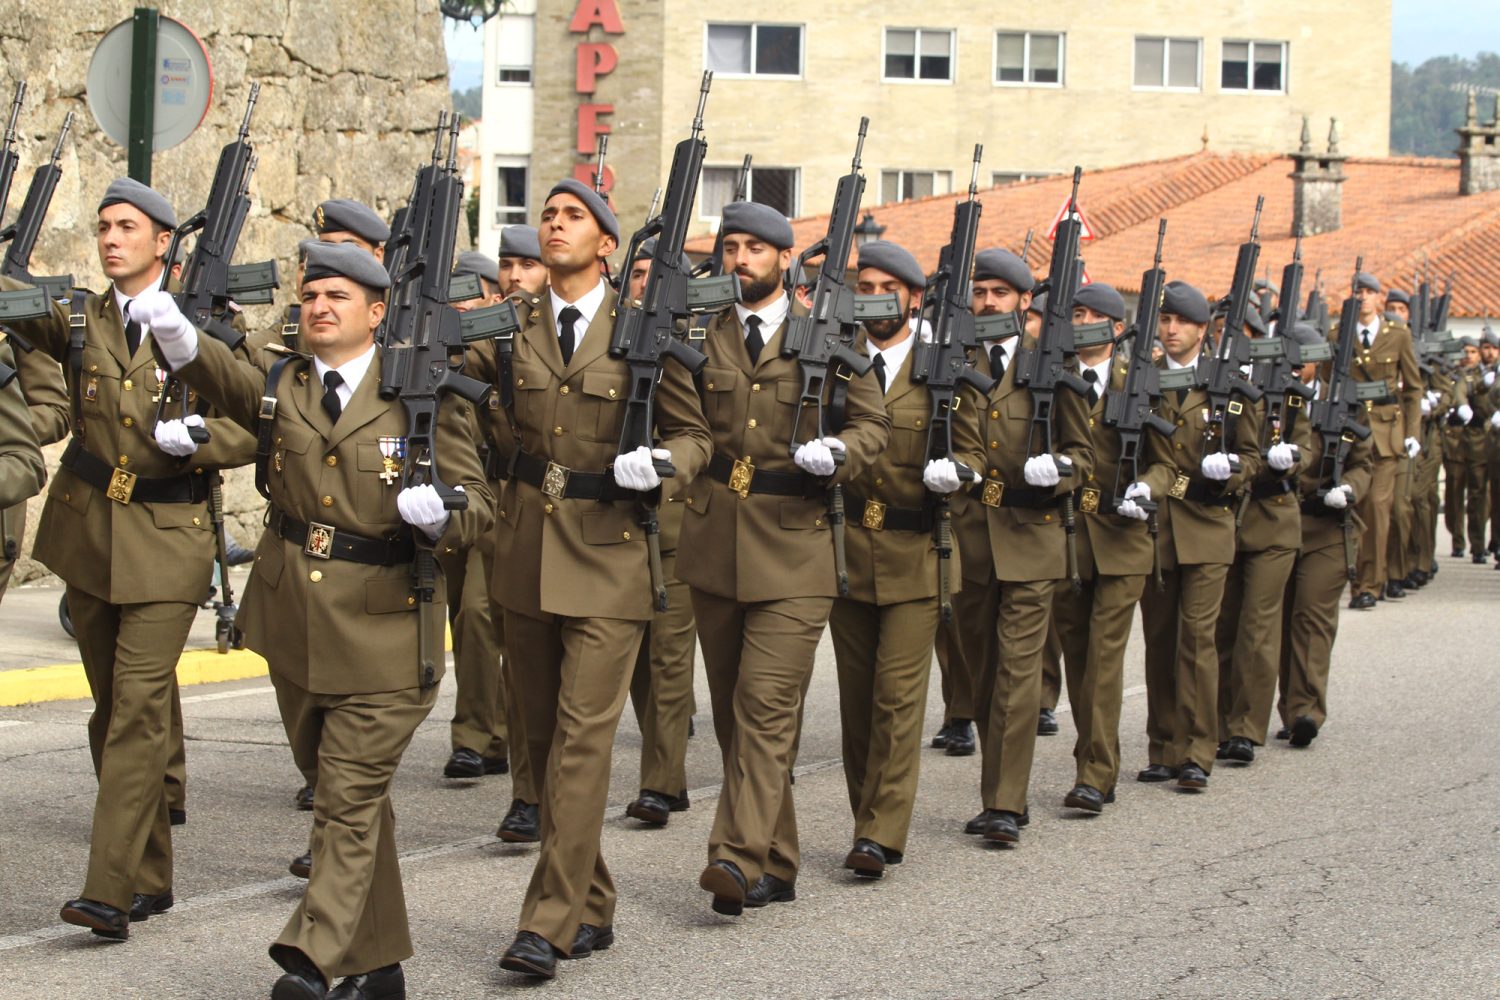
604,13
594,59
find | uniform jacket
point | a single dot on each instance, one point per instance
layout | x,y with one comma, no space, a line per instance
21,470
579,557
41,381
765,547
1322,530
1391,357
1273,522
332,626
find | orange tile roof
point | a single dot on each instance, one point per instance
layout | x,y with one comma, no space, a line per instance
1397,213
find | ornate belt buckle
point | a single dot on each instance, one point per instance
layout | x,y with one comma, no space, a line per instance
1088,502
992,492
121,486
555,481
1179,488
741,475
319,542
874,516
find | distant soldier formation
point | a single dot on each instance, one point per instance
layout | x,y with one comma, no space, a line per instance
584,478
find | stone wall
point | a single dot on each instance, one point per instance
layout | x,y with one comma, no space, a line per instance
350,94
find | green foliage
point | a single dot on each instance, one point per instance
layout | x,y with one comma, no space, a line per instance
469,103
1427,103
471,215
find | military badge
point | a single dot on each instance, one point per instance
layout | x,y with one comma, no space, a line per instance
1179,488
1088,502
161,386
741,475
874,517
392,458
992,492
319,541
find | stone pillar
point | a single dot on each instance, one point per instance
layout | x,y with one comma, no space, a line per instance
1479,151
1317,184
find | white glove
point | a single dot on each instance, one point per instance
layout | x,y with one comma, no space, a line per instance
172,436
1129,508
157,311
1431,397
816,456
421,507
1427,405
1282,456
1465,412
1489,378
1216,466
1041,470
1413,447
941,476
634,471
1495,419
1138,491
1339,498
834,445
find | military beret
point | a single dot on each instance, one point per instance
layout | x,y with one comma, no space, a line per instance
1397,295
345,215
474,262
302,247
646,250
1254,321
1304,335
761,221
591,200
1365,279
1468,341
344,260
1490,337
1101,298
897,261
1181,299
1002,265
520,241
1039,304
128,191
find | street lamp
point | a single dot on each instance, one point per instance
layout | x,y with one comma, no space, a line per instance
867,230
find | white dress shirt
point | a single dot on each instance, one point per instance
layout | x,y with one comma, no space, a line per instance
351,371
770,316
895,357
587,305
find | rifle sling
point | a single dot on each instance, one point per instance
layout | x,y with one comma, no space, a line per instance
266,425
77,329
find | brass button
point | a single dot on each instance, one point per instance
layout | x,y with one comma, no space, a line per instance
612,394
548,508
689,501
410,601
67,497
1046,517
818,523
625,535
994,414
1179,421
328,501
127,385
93,368
278,439
755,387
1091,421
710,385
879,481
197,521
124,460
521,381
315,576
331,461
751,424
563,391
557,432
198,471
128,422
994,472
994,445
919,424
1178,445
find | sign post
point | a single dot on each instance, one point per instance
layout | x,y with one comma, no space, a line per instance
143,29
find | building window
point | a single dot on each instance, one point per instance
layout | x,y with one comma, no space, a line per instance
515,45
1168,63
904,185
773,186
919,54
510,193
754,49
1029,58
999,177
1254,66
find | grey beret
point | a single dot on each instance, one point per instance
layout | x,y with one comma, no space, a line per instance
302,247
1365,279
1304,335
897,261
646,250
1101,298
344,260
1181,299
344,215
1039,304
125,190
1490,337
1002,265
520,241
595,204
761,221
1397,295
1469,341
474,262
1254,321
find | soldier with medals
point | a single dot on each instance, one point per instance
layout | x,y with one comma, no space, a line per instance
1463,454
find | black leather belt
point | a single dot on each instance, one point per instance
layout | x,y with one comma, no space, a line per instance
324,541
1274,488
877,516
126,487
496,467
562,483
993,493
744,478
1209,496
1315,507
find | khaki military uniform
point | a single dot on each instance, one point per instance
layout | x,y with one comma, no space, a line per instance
883,632
1464,450
40,384
956,681
1489,402
1012,550
763,581
340,636
1421,546
571,573
22,473
1196,521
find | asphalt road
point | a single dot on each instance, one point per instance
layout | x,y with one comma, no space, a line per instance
1366,866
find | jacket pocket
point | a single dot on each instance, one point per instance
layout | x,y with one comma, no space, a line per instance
615,526
719,385
803,515
180,515
389,594
602,408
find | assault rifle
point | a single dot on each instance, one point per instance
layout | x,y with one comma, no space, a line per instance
714,265
1223,375
9,158
1317,309
409,224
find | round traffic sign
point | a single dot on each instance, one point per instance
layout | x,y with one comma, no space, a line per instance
184,83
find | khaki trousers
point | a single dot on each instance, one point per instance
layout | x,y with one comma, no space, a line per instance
522,781
884,657
1374,511
1091,630
1465,504
1403,525
957,682
1311,622
661,688
1421,548
1182,666
1492,479
758,657
352,917
479,709
571,694
1008,690
130,654
12,537
1248,641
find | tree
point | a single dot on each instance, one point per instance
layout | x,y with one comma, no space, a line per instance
1427,103
469,103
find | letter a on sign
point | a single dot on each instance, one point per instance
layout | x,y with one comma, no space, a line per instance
604,13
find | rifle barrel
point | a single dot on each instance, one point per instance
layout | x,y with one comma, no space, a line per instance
1161,234
708,79
859,146
1260,204
249,110
15,112
974,176
62,137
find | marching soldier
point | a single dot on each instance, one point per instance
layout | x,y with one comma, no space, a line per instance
1463,440
883,632
1437,399
21,470
571,567
762,573
344,220
521,269
1486,407
330,604
39,381
1196,523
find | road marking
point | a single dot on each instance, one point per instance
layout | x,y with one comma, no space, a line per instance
221,695
12,722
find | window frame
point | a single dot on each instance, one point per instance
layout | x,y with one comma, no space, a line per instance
796,173
901,173
755,46
952,77
1166,63
511,163
1026,33
1019,176
529,68
1285,48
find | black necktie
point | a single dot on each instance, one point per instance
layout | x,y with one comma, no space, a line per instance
997,362
132,331
753,341
331,404
566,320
1092,378
879,365
1368,338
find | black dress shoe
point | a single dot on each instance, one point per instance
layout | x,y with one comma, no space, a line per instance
960,738
1046,722
1003,828
940,741
1304,731
1458,551
1239,749
305,798
302,981
1394,590
143,905
388,983
101,918
532,955
301,866
1219,754
770,889
975,827
725,880
1283,733
654,808
464,763
1155,773
590,939
867,859
1192,776
521,824
177,817
1479,559
1362,602
1085,797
